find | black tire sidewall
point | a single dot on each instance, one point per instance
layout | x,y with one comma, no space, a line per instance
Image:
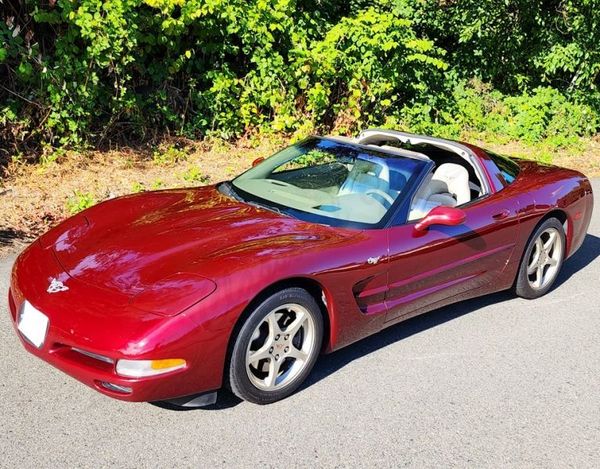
238,381
522,287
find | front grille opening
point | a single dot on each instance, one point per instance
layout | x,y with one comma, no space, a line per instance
96,356
83,357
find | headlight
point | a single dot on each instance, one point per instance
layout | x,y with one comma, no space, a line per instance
143,368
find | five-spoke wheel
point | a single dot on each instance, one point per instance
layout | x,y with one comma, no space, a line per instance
545,258
276,347
542,260
280,346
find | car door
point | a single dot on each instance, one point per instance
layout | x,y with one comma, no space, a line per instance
429,267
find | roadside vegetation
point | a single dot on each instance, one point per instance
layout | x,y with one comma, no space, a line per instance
104,97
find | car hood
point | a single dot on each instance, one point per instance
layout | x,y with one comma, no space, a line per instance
132,243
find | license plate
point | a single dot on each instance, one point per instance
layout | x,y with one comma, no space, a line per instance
33,324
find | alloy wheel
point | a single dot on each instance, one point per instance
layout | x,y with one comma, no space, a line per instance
545,258
280,347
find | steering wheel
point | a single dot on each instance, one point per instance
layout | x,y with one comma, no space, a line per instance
387,197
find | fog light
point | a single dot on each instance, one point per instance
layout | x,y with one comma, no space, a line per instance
143,368
115,387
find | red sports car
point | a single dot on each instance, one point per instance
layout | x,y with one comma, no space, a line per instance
174,294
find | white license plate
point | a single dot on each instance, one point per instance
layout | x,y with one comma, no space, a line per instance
33,324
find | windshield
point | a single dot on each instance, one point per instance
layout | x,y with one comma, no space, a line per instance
329,181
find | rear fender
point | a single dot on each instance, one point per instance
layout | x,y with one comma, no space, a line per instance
565,194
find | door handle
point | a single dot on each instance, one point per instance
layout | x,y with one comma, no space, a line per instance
501,215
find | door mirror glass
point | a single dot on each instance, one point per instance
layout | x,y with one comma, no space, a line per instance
441,215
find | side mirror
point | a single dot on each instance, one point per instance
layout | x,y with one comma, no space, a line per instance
441,215
257,161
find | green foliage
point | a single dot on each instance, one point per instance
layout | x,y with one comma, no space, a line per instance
365,67
575,56
169,157
193,175
80,201
157,184
543,115
88,72
137,187
312,158
518,44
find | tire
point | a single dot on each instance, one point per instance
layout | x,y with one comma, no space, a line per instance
542,260
276,347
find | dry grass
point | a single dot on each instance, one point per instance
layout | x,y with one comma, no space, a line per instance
35,197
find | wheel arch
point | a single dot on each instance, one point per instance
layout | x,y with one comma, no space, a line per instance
312,286
555,212
562,217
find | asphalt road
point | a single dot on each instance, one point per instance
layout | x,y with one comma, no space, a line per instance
498,381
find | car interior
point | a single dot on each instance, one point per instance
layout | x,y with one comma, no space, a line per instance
452,183
358,190
364,189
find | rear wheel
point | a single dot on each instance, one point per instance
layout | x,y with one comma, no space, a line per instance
277,347
542,261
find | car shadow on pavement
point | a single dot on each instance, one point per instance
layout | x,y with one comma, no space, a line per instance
225,400
329,364
585,255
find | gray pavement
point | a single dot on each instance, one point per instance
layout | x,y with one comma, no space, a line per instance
492,382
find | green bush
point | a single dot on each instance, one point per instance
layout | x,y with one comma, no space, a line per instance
543,114
366,67
82,72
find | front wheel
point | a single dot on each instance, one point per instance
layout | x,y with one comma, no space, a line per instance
277,347
542,260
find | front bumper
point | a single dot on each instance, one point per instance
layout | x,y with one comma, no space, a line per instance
101,375
77,320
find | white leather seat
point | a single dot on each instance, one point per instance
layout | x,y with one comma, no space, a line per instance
432,193
456,178
361,183
364,177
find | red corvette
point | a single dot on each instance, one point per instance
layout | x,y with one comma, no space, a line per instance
172,295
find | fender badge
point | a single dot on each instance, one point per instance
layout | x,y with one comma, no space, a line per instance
56,286
373,260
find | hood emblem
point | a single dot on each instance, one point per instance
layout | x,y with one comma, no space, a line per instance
56,286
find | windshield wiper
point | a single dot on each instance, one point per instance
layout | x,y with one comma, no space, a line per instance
226,188
265,207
